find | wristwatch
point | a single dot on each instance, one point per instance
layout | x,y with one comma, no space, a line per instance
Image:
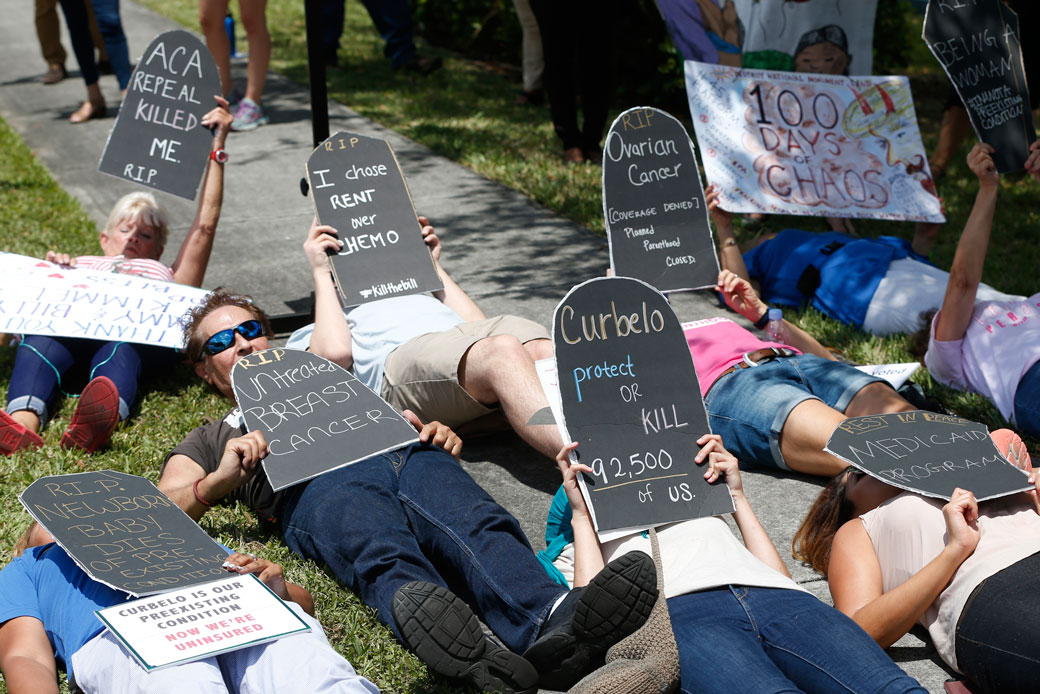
219,155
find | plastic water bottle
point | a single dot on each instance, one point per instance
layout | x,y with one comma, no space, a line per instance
775,327
229,27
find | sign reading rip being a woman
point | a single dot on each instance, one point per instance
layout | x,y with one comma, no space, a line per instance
806,144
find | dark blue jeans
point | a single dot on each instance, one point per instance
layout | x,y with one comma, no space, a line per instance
111,28
1027,402
392,19
770,640
415,515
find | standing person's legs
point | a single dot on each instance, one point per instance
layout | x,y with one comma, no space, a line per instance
211,20
393,21
76,20
531,50
333,13
254,21
595,70
49,34
111,28
558,51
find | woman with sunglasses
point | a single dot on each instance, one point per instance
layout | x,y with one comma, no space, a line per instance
967,572
131,243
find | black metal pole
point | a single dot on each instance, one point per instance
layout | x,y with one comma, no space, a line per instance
316,70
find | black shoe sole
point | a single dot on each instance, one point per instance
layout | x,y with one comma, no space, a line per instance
614,604
443,631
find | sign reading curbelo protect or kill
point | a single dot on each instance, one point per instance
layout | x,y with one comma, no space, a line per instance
316,416
631,399
123,532
928,453
359,189
158,139
977,43
653,203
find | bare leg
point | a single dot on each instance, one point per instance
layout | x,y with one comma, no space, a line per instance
211,19
954,128
877,398
500,371
254,20
28,419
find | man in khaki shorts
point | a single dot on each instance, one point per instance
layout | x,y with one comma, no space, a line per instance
438,355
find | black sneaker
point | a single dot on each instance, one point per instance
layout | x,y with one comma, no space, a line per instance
443,631
421,65
576,637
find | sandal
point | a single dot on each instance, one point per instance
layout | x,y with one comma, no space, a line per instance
88,111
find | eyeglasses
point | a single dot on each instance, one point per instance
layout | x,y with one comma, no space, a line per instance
218,342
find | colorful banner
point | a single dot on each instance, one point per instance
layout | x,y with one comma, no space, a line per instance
815,145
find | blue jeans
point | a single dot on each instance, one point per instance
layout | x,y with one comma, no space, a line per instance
1027,402
415,515
111,28
771,640
393,21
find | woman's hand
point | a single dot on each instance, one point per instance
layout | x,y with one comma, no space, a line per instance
721,463
980,161
741,296
723,219
962,516
435,433
267,571
321,242
570,480
430,238
63,259
219,121
1033,162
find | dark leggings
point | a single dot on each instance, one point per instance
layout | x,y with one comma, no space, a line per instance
998,633
111,28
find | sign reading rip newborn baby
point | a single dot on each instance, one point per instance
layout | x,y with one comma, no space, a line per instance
808,144
653,203
631,399
359,190
927,453
315,415
158,139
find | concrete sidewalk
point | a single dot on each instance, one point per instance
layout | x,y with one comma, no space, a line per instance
510,254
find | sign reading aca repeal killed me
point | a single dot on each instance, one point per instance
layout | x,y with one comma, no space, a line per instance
808,144
977,43
316,416
359,190
123,532
201,621
653,203
928,453
631,399
41,298
158,139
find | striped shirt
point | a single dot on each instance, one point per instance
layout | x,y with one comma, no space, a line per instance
139,267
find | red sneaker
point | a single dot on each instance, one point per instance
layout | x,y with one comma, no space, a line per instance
95,418
1012,447
15,437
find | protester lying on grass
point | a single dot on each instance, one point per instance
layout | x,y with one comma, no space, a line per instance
131,243
777,403
740,623
879,285
987,347
47,606
442,358
407,530
964,570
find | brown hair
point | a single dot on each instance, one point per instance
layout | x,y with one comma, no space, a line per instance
218,298
918,344
812,542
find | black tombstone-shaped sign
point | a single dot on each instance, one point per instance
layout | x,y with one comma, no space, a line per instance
653,203
358,188
158,139
977,43
927,453
315,415
123,532
631,399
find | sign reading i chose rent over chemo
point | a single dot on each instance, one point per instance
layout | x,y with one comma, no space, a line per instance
315,415
653,203
158,139
631,399
808,144
359,190
977,44
927,453
123,532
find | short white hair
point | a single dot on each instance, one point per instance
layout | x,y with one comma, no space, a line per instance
139,207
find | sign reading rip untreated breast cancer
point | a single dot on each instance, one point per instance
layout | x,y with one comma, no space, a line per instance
631,399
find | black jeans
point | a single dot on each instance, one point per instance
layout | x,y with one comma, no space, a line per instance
998,633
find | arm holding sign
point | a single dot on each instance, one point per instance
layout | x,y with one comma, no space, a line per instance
730,257
271,575
1033,162
331,338
190,266
588,555
188,485
452,295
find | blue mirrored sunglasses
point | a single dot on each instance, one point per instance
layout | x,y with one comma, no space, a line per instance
218,342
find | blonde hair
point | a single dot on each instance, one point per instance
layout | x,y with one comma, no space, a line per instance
139,207
23,542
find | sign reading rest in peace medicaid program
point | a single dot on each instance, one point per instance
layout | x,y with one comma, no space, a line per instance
158,139
808,144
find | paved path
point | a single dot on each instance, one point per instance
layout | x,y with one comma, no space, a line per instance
510,254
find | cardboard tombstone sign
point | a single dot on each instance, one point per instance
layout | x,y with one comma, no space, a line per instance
158,139
977,44
653,203
315,415
123,532
631,399
928,453
359,189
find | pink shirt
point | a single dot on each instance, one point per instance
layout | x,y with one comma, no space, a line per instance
717,344
139,267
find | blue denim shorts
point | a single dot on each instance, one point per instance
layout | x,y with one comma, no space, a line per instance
748,407
1027,402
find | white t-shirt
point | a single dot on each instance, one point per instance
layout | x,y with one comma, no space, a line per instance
1001,343
910,288
379,327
